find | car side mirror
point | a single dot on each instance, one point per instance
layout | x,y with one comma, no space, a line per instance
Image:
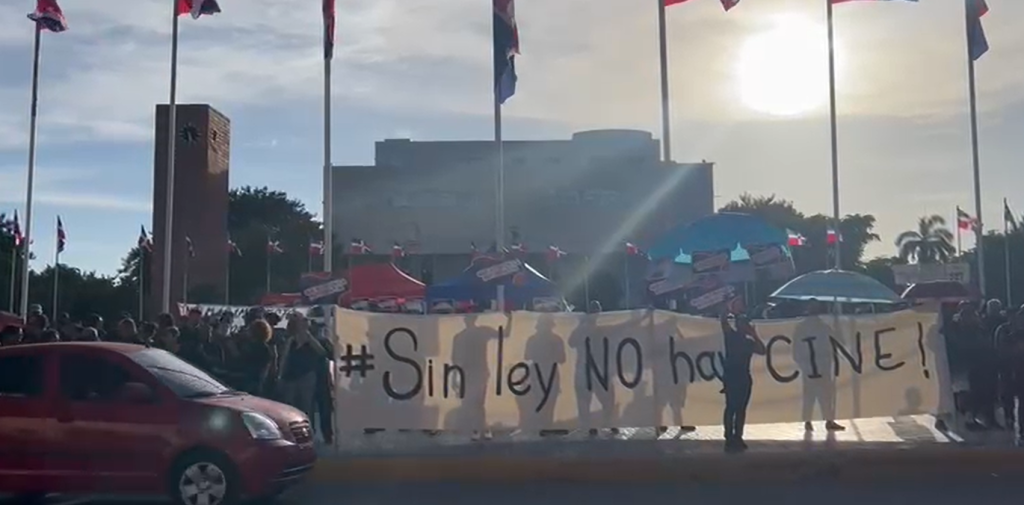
136,392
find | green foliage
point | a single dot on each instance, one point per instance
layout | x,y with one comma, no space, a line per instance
931,242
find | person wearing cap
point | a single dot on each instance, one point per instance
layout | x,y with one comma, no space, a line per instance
741,344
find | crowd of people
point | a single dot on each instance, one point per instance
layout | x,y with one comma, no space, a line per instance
987,348
289,364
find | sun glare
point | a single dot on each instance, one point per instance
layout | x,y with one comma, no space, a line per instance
784,71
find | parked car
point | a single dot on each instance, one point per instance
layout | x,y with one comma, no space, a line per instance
105,418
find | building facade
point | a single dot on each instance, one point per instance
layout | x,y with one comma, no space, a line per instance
202,161
585,195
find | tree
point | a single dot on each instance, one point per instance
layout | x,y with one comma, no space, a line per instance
931,242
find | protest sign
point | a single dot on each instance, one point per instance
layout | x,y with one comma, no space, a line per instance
639,368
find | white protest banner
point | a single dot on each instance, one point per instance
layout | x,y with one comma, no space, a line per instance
626,369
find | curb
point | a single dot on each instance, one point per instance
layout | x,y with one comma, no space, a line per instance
774,466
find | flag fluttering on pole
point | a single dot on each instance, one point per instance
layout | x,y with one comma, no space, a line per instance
632,249
49,16
832,237
198,8
329,22
316,248
359,247
965,221
726,4
506,47
145,242
977,43
845,1
397,251
62,236
795,239
16,231
555,253
1008,217
274,247
191,248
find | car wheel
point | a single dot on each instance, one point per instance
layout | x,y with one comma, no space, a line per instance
203,478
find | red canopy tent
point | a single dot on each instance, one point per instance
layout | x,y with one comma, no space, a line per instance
380,281
365,283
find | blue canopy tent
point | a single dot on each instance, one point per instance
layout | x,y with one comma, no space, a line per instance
717,232
524,285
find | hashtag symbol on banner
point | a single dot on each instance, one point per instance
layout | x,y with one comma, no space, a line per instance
352,362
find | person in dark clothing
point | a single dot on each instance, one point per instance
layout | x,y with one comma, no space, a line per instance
257,360
50,335
146,332
10,335
193,343
302,357
33,330
126,332
95,322
1010,349
741,344
978,349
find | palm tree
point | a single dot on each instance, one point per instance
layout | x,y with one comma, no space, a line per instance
932,242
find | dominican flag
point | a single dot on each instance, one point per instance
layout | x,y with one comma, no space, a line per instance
517,248
145,243
632,249
727,4
397,251
965,221
274,247
191,248
359,247
233,248
831,237
197,8
555,253
62,237
977,43
48,16
795,239
16,231
328,8
506,47
1008,217
316,248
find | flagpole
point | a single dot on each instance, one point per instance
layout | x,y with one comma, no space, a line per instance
666,122
269,253
626,275
34,115
184,294
142,275
499,221
832,125
14,277
979,230
586,279
1006,244
165,299
328,175
959,247
227,280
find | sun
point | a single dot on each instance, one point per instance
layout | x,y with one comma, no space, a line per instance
784,71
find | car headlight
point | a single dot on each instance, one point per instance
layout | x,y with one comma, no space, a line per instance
260,426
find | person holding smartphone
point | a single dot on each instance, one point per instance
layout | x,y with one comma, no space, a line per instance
741,344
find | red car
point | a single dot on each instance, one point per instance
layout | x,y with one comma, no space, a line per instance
104,418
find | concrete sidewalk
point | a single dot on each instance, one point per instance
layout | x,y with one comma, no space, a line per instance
869,449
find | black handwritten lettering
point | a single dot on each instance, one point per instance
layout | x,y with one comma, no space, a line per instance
500,360
880,356
519,386
546,386
674,357
812,355
857,363
708,357
770,365
460,374
593,370
430,378
417,386
638,371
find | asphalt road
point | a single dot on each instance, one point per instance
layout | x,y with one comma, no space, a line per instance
990,491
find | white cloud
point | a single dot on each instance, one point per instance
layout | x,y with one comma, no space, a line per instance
51,189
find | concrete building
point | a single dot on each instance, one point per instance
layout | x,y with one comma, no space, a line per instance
202,160
585,195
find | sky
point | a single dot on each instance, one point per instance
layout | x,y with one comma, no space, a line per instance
749,91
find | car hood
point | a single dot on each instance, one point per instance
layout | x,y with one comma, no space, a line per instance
282,414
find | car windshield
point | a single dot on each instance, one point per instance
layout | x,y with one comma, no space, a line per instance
184,379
